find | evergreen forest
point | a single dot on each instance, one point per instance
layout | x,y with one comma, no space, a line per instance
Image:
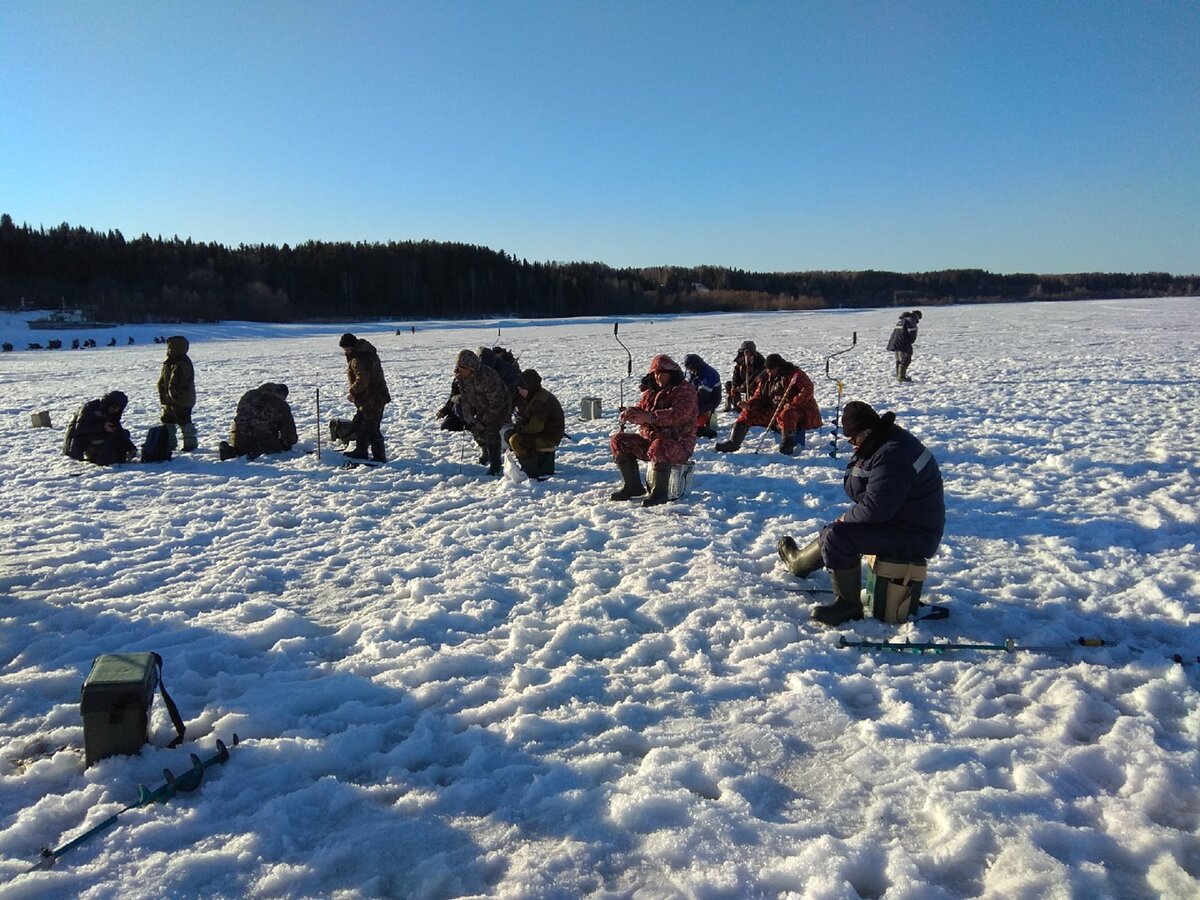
174,280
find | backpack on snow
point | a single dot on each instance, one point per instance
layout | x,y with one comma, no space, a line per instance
72,446
157,447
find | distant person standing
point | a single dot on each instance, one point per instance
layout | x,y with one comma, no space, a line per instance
369,394
904,335
177,394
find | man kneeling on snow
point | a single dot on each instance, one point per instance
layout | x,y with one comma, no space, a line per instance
898,510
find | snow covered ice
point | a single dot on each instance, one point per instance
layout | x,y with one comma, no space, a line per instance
451,685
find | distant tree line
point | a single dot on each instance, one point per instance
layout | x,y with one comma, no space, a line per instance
151,279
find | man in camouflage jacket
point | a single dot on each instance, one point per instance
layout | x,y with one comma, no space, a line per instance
368,393
486,405
263,423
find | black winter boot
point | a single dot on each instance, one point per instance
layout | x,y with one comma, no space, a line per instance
495,459
735,439
903,373
377,450
787,444
633,479
847,588
359,451
529,465
800,562
662,484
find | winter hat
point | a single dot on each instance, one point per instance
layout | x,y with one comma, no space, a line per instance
692,361
663,363
114,398
916,313
280,389
749,347
531,380
347,341
774,361
467,360
857,417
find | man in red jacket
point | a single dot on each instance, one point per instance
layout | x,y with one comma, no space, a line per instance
666,436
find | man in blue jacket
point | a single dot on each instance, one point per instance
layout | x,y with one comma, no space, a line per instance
899,510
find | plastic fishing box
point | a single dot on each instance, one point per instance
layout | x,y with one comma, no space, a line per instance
115,702
893,587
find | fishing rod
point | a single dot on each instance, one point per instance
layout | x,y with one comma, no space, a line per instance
1010,645
318,423
833,434
628,369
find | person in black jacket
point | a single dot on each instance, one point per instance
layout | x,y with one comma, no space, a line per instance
96,433
904,335
898,510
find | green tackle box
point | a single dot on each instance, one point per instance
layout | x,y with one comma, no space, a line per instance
894,588
115,702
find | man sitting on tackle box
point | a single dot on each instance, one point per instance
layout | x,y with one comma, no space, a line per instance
899,510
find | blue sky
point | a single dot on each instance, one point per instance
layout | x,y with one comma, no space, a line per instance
1015,137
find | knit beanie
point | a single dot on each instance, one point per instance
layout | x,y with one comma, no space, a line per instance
857,417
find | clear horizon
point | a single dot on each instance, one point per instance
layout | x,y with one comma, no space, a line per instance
1015,137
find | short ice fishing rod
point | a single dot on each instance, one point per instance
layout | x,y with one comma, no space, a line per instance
1010,645
833,434
628,368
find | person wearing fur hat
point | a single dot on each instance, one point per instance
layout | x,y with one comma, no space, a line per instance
538,428
96,433
783,399
904,335
748,367
368,392
666,436
485,405
263,423
898,510
177,393
707,382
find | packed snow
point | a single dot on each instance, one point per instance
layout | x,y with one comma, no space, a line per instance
451,685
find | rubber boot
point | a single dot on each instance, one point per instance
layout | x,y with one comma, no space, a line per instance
190,439
847,589
903,374
545,463
359,451
662,484
729,396
529,464
735,439
377,450
633,479
787,443
495,459
172,437
801,562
